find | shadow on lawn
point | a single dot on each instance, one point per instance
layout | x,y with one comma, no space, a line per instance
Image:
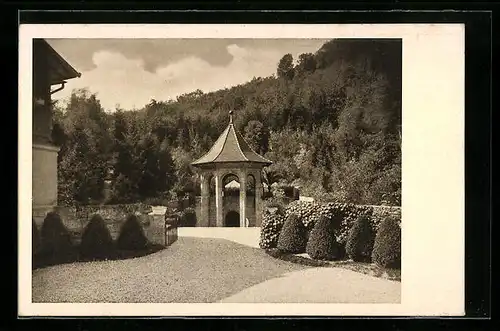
43,261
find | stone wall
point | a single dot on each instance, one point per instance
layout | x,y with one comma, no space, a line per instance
385,211
75,219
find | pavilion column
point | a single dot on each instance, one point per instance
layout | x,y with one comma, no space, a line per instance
243,198
259,191
205,199
218,200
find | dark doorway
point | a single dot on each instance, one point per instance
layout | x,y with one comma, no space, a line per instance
232,219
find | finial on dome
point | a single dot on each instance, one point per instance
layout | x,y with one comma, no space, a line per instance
230,116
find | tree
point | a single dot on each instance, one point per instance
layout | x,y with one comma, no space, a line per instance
257,136
285,67
152,181
184,175
86,151
166,168
334,129
123,180
306,63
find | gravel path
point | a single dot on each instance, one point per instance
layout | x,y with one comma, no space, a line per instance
208,266
191,270
321,285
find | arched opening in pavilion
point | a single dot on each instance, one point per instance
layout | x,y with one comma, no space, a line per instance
230,185
232,219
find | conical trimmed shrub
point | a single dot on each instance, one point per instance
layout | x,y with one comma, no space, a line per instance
322,244
97,243
360,240
56,240
387,246
293,236
132,235
36,241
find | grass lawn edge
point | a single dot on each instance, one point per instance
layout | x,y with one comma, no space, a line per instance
361,267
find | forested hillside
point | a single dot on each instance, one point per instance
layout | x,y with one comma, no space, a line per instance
330,122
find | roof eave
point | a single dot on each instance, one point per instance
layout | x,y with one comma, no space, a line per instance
68,71
208,164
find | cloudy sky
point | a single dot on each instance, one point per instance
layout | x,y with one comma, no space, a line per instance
131,72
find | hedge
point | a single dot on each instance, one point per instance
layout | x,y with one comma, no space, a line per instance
293,236
56,241
344,214
322,244
360,240
36,241
132,235
97,242
387,246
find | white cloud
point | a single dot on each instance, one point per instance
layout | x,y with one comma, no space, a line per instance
119,80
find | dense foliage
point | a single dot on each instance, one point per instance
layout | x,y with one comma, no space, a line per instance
188,218
96,240
343,215
387,247
359,245
322,244
330,122
293,236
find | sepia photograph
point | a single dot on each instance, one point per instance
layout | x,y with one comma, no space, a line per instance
217,170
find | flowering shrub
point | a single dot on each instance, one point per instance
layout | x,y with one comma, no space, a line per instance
343,215
272,223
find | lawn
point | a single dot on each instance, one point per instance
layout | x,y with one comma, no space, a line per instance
362,267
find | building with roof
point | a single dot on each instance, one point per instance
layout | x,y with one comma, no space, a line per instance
231,159
50,73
